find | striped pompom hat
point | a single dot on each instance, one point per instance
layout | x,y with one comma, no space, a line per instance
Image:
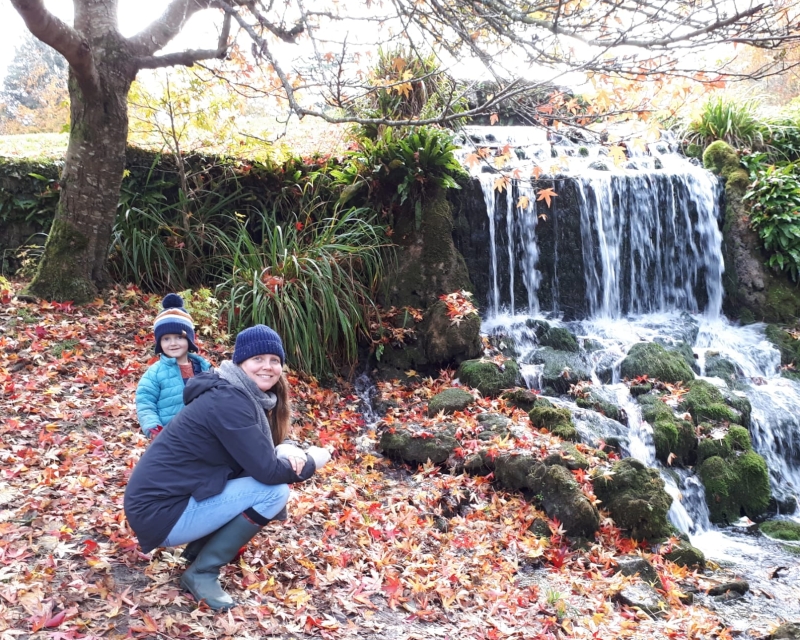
174,319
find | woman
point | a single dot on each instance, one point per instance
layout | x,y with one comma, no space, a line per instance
215,477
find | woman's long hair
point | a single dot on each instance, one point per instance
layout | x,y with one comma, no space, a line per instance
281,416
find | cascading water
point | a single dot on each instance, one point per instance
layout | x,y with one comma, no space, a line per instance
620,257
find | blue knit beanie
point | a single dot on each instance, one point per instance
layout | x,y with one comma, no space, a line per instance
256,341
174,319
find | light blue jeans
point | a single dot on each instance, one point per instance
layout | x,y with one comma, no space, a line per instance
204,517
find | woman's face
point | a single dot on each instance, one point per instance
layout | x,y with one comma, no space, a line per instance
265,370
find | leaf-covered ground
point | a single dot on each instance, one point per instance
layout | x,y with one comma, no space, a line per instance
372,549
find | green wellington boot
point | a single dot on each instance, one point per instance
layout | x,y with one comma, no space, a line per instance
201,579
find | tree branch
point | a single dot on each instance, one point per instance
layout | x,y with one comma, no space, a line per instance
64,39
164,29
190,57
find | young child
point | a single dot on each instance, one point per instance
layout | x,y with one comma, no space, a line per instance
159,395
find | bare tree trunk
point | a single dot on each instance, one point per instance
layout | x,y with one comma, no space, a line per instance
73,266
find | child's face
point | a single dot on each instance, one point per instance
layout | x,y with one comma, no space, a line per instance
174,345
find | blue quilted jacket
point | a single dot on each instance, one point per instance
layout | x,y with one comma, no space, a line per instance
159,395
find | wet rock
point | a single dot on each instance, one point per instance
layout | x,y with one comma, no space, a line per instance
562,369
719,367
654,361
633,565
644,597
561,497
636,499
520,398
496,422
559,339
674,439
540,528
787,631
685,555
557,421
597,401
449,401
734,586
445,342
512,471
418,448
641,389
489,378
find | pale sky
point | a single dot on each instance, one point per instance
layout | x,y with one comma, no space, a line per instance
134,15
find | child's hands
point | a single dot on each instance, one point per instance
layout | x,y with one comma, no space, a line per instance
155,431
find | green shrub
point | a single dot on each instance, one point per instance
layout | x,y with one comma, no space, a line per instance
730,120
314,282
774,204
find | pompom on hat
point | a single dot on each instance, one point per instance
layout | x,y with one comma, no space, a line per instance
174,319
256,341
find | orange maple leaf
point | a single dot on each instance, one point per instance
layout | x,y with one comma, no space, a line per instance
546,194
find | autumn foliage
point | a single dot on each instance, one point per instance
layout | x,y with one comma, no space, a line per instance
371,549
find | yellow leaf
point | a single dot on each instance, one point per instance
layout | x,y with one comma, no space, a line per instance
618,155
523,202
411,373
501,183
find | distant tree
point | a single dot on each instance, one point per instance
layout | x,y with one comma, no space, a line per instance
34,97
631,40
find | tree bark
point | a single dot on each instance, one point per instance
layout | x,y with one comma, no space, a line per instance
73,266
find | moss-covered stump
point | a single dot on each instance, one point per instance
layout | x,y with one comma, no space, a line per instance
781,530
685,555
706,403
559,339
445,342
520,398
418,448
636,499
489,378
556,421
674,438
561,497
736,478
449,401
654,361
562,369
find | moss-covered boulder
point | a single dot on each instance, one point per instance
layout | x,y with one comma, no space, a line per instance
654,361
674,438
489,378
634,565
417,448
561,497
781,530
559,339
520,398
736,482
636,499
787,631
685,555
596,402
556,421
723,159
512,471
707,404
719,367
561,370
449,401
568,457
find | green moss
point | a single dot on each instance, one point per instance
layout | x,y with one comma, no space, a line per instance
783,302
705,402
487,377
735,486
738,438
710,447
654,361
557,421
685,555
450,401
781,529
559,339
786,344
62,274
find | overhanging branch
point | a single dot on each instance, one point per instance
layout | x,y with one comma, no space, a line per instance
190,57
